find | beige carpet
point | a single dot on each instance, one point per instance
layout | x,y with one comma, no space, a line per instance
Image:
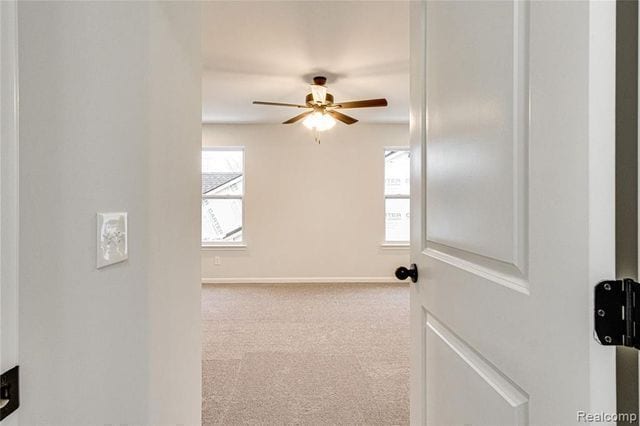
315,354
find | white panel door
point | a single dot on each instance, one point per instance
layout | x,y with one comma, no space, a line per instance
512,133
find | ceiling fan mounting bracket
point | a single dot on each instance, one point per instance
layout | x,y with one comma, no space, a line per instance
320,80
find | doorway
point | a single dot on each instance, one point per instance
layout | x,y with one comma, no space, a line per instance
303,319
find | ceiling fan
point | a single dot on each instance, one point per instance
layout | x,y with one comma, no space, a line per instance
322,110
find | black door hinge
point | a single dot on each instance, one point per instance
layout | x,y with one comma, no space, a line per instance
617,314
9,392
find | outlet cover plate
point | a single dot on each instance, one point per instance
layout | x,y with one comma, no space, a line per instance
112,239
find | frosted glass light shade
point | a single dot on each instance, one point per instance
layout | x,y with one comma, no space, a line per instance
319,121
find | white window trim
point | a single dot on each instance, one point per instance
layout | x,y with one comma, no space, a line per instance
239,245
390,244
223,246
395,246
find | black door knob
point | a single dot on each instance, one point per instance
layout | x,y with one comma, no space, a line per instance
403,273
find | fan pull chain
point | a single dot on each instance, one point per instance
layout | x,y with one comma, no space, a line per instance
316,135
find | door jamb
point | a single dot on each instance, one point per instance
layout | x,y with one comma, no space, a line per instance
9,203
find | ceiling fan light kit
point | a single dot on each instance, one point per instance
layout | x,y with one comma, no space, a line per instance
322,114
319,121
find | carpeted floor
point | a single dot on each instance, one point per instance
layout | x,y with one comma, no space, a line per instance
315,354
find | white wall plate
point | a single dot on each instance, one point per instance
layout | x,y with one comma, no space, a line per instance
112,244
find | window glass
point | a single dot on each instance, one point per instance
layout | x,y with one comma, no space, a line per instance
396,172
222,196
222,160
396,219
221,220
396,191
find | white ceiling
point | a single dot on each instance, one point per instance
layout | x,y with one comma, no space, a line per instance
269,51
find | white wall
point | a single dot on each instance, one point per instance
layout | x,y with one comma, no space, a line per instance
312,210
109,121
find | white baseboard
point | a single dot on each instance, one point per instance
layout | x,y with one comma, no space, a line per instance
305,280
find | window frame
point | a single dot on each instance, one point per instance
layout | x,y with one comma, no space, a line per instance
391,244
225,245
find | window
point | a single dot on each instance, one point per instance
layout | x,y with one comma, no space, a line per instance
222,196
396,195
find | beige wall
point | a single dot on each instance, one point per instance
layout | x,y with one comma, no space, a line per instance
312,210
109,121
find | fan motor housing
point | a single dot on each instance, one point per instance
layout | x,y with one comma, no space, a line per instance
328,100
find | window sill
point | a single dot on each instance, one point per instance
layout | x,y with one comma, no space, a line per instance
224,247
395,246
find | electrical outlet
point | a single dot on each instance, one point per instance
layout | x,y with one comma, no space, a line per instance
217,261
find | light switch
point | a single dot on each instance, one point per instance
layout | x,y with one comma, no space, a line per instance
112,239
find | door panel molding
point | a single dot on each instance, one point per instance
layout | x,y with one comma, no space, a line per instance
502,273
505,260
511,393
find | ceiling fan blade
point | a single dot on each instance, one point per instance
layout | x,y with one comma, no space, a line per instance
342,117
279,104
297,117
368,103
